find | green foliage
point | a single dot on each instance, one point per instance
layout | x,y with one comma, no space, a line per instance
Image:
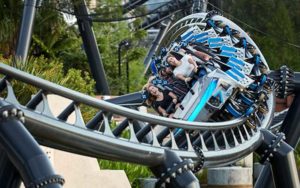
297,157
54,39
52,70
109,35
10,15
202,176
133,171
275,27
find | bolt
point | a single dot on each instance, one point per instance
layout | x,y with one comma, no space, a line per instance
14,112
22,119
191,166
278,144
179,170
20,114
283,137
185,167
168,180
5,114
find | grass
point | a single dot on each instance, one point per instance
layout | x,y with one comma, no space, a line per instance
133,171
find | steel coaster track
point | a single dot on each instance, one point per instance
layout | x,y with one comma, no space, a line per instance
198,19
221,142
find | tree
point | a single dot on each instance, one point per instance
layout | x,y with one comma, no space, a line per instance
55,40
109,35
10,16
272,27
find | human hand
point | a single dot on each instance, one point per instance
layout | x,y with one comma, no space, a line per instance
174,101
187,79
171,115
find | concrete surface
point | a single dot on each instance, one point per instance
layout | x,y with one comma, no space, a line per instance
228,176
80,171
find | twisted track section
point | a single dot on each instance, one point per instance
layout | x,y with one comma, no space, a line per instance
221,143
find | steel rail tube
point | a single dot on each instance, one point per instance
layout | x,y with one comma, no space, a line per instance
113,108
52,132
185,23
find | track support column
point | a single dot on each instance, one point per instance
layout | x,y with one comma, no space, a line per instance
23,151
26,30
154,47
9,175
281,157
289,83
175,172
91,47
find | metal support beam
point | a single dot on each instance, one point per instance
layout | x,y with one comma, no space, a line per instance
9,175
265,178
155,44
204,5
166,11
24,152
91,48
175,172
291,124
132,99
286,167
199,6
291,128
281,157
132,4
285,171
25,31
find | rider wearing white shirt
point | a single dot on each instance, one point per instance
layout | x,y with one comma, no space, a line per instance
184,67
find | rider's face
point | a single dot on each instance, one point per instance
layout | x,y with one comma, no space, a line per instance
153,90
172,61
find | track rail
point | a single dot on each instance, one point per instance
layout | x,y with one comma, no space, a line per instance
221,143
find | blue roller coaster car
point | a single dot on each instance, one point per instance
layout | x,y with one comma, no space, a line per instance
211,94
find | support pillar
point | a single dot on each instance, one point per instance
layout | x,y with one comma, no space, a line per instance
281,158
9,175
91,47
175,172
25,33
199,6
155,44
23,151
291,128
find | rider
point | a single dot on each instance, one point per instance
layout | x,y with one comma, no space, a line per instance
161,100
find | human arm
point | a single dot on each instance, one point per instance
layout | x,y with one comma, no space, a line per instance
202,55
192,62
183,78
174,97
162,111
